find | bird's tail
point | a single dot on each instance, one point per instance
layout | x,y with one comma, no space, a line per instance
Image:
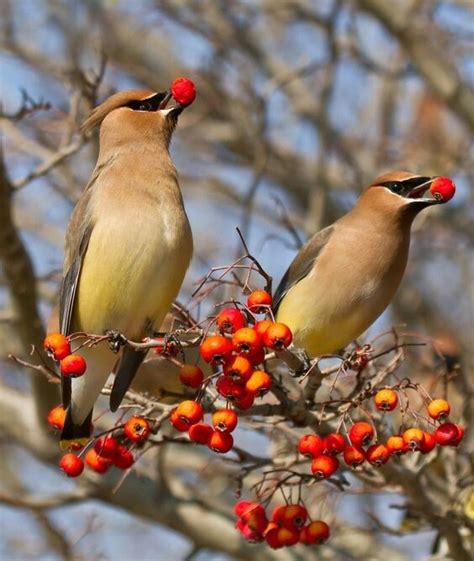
73,433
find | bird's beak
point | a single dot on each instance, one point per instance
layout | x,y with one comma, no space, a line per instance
174,110
418,188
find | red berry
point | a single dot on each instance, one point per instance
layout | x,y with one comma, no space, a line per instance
73,366
386,399
377,454
57,346
200,433
353,456
239,369
259,383
106,447
396,445
245,402
259,301
262,326
361,433
123,458
277,337
429,442
191,376
247,341
258,357
247,533
190,412
178,423
183,91
230,320
293,517
216,349
137,429
253,514
96,462
449,434
229,389
439,409
334,443
413,438
324,466
224,420
311,445
314,533
56,417
443,189
220,442
72,465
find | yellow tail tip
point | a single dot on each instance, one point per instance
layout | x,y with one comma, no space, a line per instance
73,444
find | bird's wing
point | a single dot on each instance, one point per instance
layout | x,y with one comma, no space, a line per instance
128,365
302,264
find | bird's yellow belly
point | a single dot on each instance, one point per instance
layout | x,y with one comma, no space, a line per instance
129,279
326,319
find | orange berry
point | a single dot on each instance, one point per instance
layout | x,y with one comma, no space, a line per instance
96,462
216,349
137,429
377,454
253,514
315,533
353,456
429,442
439,409
73,366
262,326
72,465
56,417
190,412
191,375
247,341
230,320
259,383
413,438
106,446
200,433
311,445
334,443
123,457
239,369
220,442
324,466
396,445
386,399
259,301
449,434
224,420
245,402
277,337
57,346
361,433
443,189
229,389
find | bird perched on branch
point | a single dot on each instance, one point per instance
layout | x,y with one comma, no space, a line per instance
345,276
128,246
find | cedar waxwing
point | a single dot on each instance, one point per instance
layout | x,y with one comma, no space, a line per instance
345,276
128,246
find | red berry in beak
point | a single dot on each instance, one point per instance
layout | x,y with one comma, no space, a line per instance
443,189
183,91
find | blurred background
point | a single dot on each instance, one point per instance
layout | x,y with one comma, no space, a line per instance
300,104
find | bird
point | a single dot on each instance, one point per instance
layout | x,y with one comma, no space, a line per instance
128,246
347,274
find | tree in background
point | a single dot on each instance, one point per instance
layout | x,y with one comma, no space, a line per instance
299,105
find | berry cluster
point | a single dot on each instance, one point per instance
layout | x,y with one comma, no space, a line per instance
58,347
107,450
287,526
359,447
236,351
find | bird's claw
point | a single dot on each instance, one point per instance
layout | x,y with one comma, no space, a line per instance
116,340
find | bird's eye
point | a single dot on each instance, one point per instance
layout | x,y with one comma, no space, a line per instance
145,106
394,186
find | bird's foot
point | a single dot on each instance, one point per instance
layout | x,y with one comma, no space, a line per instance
171,343
116,340
305,362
